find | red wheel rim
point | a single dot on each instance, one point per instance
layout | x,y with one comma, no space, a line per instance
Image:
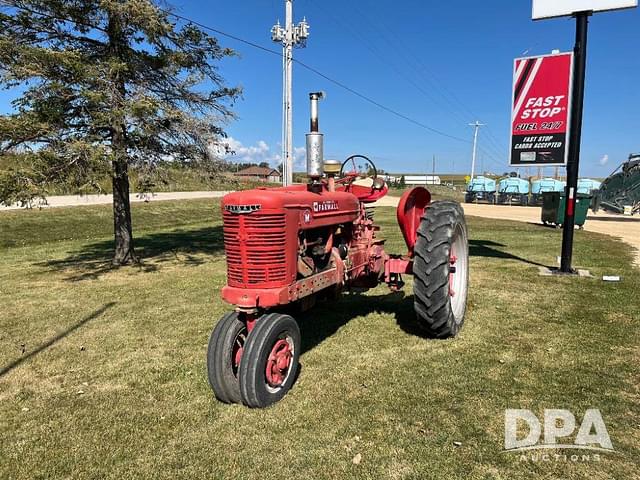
452,270
237,351
279,363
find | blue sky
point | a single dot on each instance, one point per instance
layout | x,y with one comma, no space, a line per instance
444,64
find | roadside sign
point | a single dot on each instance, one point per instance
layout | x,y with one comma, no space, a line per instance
581,10
541,102
563,8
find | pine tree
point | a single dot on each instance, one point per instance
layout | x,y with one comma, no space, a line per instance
105,85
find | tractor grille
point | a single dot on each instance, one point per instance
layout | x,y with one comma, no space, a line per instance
255,249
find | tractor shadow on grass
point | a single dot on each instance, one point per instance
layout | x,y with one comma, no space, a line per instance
329,316
326,318
186,247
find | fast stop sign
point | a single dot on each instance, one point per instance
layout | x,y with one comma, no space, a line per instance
540,110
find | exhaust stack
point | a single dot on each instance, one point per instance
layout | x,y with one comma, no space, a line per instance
315,142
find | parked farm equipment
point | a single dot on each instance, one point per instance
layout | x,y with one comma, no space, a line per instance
289,246
542,185
588,186
481,188
513,189
620,192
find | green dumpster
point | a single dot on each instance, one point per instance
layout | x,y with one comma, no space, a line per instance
553,205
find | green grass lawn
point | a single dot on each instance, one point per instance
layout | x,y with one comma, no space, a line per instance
102,372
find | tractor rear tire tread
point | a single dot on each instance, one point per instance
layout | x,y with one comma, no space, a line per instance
431,269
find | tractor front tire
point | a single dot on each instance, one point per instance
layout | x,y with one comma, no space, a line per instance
225,349
441,270
269,363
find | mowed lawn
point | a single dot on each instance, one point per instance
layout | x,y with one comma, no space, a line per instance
102,373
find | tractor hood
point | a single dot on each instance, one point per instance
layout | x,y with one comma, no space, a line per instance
319,208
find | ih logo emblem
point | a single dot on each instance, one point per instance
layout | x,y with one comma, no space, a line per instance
559,427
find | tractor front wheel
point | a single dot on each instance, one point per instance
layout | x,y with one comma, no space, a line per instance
226,346
441,270
269,363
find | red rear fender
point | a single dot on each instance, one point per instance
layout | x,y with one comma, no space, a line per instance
410,211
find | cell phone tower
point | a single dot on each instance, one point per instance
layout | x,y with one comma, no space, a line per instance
289,36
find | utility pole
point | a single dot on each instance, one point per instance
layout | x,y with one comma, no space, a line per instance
476,126
433,169
290,36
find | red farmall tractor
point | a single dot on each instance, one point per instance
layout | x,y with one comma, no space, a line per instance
288,246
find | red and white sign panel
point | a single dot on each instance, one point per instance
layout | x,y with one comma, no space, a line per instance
562,8
540,110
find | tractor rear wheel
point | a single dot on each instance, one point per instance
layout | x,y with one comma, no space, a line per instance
270,360
441,270
226,346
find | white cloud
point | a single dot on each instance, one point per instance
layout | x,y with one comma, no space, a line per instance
258,153
604,160
299,158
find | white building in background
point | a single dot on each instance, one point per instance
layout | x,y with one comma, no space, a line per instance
422,180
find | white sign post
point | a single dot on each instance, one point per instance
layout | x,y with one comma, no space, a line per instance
565,8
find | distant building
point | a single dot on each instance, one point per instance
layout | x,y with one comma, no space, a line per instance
262,174
422,180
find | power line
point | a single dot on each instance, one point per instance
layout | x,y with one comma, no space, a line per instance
274,52
413,61
379,105
220,32
405,55
376,53
409,58
322,75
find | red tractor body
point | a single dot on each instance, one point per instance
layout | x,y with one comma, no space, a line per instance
268,231
293,244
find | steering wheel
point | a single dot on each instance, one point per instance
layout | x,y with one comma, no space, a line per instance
363,170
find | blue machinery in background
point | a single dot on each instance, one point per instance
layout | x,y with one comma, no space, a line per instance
481,188
513,189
